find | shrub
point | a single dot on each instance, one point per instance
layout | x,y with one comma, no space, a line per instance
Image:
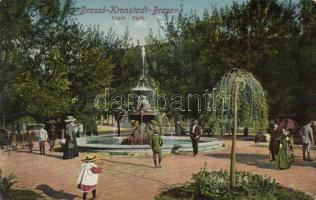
215,185
7,193
5,185
254,184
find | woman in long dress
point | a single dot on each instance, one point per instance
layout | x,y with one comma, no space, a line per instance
70,149
285,156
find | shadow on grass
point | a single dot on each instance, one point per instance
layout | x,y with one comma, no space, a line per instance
50,192
174,192
259,160
262,160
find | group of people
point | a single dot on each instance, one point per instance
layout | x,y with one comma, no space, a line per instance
49,135
281,144
70,146
31,136
88,175
156,142
44,136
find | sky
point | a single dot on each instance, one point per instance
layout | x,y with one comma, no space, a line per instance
106,14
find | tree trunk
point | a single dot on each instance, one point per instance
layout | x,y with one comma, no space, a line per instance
233,153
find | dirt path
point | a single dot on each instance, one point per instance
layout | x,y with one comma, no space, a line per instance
127,178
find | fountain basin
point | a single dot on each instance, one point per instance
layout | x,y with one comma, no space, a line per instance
112,145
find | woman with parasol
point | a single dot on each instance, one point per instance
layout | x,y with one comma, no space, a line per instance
285,156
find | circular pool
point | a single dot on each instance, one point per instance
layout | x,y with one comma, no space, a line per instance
172,144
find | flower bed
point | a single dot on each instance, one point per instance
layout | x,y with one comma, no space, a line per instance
214,185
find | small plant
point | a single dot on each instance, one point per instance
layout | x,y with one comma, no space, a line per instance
5,185
216,185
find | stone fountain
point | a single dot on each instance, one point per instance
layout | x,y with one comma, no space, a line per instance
143,113
145,95
137,142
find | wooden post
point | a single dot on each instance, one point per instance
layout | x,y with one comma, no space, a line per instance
233,153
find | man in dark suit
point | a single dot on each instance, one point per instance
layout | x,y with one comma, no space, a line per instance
195,133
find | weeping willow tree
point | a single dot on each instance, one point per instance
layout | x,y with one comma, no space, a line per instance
239,101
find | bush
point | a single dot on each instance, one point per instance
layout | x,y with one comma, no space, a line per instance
7,193
5,185
214,185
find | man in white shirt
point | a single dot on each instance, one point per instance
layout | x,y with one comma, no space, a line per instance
43,137
307,141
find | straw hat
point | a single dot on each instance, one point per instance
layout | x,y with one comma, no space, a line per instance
195,121
70,119
91,157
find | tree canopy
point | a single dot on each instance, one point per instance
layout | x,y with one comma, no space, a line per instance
51,66
272,39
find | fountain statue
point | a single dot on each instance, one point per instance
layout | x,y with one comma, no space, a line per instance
143,114
145,95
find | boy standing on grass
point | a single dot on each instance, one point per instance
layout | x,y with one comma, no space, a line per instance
88,176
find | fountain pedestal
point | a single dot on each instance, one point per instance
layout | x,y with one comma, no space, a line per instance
141,117
145,116
143,112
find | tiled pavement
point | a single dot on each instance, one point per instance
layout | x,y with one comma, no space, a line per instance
127,178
